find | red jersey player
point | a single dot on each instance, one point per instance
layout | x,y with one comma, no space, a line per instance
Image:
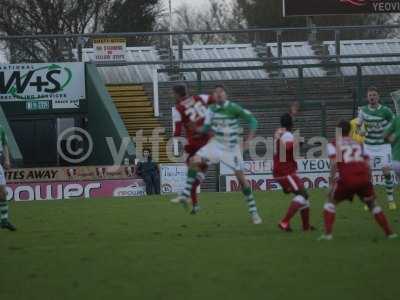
350,175
189,114
285,172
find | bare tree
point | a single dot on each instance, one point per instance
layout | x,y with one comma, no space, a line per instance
19,17
133,16
221,15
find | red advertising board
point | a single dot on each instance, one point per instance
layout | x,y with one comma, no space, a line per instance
339,7
266,182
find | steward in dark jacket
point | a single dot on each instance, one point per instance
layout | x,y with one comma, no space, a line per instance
148,170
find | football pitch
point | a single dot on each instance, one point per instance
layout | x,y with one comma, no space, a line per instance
147,248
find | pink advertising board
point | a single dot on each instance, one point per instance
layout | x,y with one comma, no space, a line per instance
58,190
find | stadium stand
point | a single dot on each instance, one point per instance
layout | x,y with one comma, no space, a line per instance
362,47
297,49
326,99
136,111
143,73
194,52
133,73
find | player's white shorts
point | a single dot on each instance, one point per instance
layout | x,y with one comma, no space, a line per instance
2,176
380,155
214,152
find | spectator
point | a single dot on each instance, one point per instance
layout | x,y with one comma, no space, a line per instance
149,171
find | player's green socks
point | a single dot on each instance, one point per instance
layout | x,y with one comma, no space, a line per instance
251,202
389,185
3,211
191,177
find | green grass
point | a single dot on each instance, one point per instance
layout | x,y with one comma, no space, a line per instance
150,249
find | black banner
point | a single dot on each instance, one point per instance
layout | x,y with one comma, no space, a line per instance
339,7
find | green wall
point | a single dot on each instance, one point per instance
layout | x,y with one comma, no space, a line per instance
15,153
104,119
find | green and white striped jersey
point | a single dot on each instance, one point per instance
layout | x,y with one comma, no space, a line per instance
376,121
394,129
224,121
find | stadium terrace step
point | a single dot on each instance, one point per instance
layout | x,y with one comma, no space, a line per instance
133,124
133,104
128,94
140,120
128,87
147,128
135,114
147,131
136,111
130,98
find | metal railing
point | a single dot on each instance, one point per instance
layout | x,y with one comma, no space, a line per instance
216,32
357,99
252,59
276,35
358,88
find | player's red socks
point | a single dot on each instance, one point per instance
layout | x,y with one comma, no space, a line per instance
329,217
381,220
305,217
330,213
193,193
297,203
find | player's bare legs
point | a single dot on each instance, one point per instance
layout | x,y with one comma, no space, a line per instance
195,166
193,196
194,176
380,217
305,212
200,177
251,202
285,172
350,175
300,204
330,216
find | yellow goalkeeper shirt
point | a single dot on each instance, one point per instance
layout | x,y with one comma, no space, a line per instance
354,132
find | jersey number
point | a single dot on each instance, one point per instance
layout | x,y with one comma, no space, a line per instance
352,153
196,112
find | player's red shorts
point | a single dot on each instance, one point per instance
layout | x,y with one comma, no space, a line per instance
290,183
346,189
192,148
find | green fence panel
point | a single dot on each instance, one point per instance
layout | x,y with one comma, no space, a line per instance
104,120
15,153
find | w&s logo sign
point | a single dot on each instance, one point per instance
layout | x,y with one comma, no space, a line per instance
42,81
